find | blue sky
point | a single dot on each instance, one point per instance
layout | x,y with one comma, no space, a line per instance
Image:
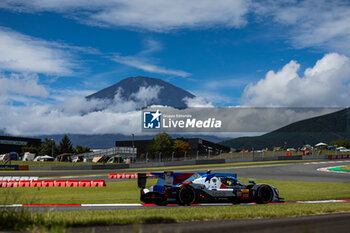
227,52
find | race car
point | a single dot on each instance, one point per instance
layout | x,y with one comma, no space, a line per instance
197,187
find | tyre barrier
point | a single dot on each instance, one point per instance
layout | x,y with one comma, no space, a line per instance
124,175
51,183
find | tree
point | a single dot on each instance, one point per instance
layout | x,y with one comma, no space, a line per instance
81,149
163,143
65,145
344,143
180,147
47,147
30,149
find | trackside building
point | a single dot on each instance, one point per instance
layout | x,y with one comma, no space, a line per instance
197,145
15,144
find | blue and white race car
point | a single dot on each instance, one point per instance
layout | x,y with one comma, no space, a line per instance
196,187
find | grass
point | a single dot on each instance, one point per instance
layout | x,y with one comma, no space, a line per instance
128,192
53,220
346,168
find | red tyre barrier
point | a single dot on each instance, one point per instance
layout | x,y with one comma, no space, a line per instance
3,183
122,176
73,183
112,176
12,183
60,183
48,183
85,183
24,183
36,183
98,183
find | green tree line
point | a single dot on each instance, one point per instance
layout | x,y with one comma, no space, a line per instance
49,147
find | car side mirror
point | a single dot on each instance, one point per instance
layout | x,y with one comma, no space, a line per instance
251,182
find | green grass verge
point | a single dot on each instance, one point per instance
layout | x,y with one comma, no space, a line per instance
128,192
340,169
346,168
52,220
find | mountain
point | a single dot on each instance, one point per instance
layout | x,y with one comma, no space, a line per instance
130,89
325,128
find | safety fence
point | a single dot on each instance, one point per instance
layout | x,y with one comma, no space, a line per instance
51,183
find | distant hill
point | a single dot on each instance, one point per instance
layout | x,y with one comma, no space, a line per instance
169,94
326,128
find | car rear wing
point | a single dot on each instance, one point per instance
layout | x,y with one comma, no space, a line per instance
141,180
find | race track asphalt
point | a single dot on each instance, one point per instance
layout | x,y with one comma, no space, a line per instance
298,171
293,172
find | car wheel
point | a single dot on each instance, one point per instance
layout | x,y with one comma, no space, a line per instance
187,195
264,194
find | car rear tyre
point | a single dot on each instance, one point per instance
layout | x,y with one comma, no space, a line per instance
187,195
264,194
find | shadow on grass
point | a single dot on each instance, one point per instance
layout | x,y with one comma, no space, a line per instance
158,219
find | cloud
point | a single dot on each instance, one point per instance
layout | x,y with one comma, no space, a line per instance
213,97
77,115
21,53
18,87
147,94
311,23
144,61
42,120
157,15
225,83
197,102
325,84
145,65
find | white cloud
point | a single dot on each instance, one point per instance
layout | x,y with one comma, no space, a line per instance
312,23
144,61
214,97
147,94
197,102
145,65
21,53
44,120
325,84
78,115
155,15
18,87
